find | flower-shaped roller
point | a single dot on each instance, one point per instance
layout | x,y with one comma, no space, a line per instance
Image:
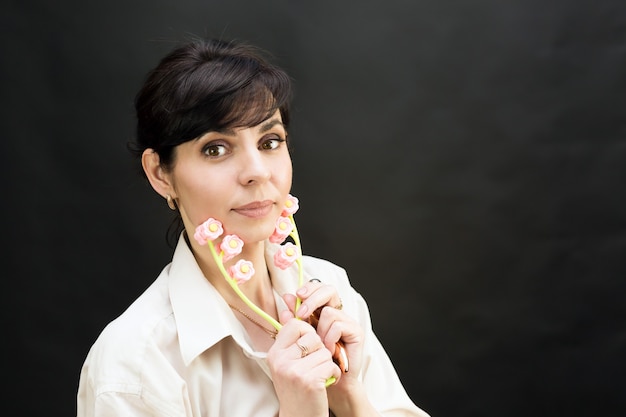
242,271
286,255
208,231
231,246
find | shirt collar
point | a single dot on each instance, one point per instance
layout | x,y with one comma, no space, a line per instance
202,316
199,310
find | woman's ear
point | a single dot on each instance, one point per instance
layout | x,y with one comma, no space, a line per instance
159,179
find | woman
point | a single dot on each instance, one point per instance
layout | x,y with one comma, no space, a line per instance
212,140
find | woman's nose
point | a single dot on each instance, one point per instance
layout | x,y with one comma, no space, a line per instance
254,168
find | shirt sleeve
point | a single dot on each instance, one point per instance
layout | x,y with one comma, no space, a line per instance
118,380
120,399
379,376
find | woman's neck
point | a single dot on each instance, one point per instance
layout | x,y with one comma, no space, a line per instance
258,289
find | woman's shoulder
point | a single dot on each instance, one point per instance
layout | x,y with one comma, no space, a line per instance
330,273
327,272
314,265
135,329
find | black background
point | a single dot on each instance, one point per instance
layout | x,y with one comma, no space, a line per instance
463,160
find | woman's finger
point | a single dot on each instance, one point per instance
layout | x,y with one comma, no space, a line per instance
315,295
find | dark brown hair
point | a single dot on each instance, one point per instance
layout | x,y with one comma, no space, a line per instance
206,85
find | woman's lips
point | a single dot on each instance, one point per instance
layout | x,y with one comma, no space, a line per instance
255,210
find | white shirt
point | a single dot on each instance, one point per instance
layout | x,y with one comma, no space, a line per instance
179,350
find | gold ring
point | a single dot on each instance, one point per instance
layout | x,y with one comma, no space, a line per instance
340,306
304,349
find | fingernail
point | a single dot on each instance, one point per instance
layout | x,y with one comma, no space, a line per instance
302,310
301,291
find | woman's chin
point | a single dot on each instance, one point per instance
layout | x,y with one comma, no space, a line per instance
250,237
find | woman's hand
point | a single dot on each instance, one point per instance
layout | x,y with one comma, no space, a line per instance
333,324
300,365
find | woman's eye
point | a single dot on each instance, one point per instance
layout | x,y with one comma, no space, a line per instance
214,150
271,143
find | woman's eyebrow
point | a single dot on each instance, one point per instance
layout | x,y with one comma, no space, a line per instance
270,124
227,131
264,128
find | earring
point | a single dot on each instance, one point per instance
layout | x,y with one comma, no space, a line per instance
170,202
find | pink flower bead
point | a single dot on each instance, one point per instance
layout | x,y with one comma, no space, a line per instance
209,230
283,228
231,246
291,206
286,255
242,271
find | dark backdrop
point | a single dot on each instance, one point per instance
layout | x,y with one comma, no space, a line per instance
463,160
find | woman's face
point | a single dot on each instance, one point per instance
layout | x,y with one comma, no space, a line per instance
241,177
